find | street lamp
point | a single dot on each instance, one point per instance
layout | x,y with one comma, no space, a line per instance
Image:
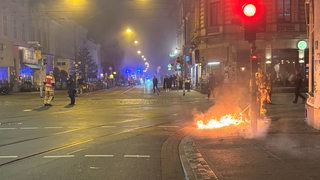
128,31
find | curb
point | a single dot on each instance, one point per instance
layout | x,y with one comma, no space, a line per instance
193,163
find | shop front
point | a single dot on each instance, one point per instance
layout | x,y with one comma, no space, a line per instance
29,74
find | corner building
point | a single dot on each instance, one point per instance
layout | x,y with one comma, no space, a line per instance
212,33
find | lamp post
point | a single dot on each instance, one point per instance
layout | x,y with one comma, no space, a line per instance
77,64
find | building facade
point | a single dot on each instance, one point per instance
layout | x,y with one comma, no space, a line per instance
313,101
212,33
25,30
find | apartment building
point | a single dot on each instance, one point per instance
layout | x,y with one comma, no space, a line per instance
212,33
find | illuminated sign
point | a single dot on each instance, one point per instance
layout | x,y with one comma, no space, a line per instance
302,45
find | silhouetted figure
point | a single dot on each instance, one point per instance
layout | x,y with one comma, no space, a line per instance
71,90
155,85
298,85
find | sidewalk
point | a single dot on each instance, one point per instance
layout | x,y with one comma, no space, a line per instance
206,157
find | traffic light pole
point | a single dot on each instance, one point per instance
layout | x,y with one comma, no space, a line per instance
183,73
253,90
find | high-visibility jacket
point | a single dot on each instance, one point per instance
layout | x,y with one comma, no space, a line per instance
49,81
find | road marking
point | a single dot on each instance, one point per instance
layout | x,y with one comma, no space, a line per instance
99,155
92,167
132,120
137,156
75,151
29,128
8,157
7,128
73,127
27,110
168,126
59,156
53,127
108,126
132,126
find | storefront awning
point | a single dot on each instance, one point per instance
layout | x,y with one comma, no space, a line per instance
33,66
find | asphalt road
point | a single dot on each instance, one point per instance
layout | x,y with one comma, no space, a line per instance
121,133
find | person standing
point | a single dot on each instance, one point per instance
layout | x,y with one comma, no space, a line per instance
71,90
165,83
298,85
155,85
49,89
211,85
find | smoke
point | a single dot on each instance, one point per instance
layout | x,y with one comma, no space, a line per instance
234,100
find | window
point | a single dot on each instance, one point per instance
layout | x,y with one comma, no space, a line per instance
5,25
61,63
15,33
284,10
215,17
23,32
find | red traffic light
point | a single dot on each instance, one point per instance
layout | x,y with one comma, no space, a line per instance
249,9
254,56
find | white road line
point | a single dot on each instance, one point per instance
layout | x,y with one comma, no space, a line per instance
29,128
137,156
8,157
7,128
168,126
100,155
108,126
53,127
27,110
59,156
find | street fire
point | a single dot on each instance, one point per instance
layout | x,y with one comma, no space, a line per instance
224,121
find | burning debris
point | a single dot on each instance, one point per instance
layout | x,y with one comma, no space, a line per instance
227,120
230,115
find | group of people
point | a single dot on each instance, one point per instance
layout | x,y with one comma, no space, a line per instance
169,82
49,84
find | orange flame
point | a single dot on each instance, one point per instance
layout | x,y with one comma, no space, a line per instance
227,120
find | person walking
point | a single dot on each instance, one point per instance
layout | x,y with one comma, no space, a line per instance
49,89
155,85
71,90
298,85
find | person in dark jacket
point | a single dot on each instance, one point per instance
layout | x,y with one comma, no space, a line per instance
155,85
298,85
71,90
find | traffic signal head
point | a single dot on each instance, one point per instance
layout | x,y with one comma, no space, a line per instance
254,56
252,15
249,10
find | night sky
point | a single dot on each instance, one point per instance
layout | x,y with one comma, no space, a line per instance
153,22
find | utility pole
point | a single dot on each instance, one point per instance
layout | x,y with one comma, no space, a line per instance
183,60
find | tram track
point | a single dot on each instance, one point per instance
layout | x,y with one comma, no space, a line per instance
68,145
